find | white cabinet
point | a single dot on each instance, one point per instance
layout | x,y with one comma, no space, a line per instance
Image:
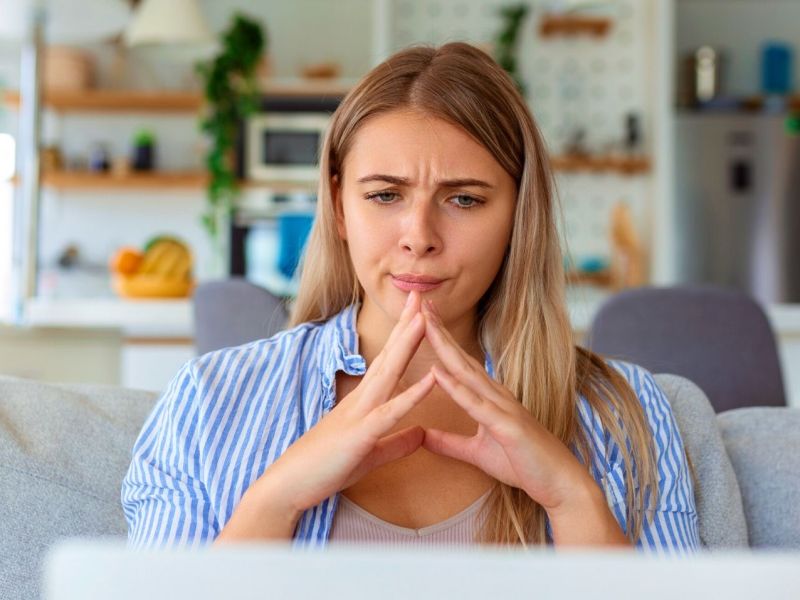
151,364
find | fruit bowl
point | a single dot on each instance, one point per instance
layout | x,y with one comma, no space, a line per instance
151,286
162,270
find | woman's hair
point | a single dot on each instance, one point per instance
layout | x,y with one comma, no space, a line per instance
524,323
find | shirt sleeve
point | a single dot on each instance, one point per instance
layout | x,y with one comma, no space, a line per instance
163,497
673,526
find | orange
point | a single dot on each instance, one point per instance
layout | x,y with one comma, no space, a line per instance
126,260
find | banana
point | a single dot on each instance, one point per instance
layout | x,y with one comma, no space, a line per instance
169,260
182,267
153,256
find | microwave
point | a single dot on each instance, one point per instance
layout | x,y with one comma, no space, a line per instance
282,141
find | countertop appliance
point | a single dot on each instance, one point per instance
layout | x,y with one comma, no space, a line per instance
282,141
738,202
279,145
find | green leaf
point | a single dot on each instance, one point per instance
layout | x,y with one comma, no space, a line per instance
231,92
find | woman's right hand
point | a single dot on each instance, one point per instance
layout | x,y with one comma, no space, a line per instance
350,440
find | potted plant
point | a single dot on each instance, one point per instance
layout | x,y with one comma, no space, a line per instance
144,149
231,94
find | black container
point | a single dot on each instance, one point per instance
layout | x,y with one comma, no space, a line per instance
144,158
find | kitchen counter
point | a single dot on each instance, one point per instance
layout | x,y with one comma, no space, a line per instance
155,337
173,318
138,318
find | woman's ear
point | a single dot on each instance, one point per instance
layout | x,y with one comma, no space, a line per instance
338,209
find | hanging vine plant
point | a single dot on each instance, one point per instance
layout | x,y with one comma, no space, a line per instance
507,38
231,94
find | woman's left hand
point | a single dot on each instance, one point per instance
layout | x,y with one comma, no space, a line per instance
510,444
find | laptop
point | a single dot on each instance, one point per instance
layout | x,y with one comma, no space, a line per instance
81,569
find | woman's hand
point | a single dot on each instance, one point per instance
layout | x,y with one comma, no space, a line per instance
349,441
510,444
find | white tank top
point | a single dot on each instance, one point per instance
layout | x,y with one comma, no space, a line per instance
351,523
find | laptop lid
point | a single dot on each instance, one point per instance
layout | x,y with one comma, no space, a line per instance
80,569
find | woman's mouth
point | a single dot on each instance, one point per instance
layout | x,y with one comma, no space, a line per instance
411,281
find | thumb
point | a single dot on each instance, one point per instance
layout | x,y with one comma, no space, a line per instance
448,444
395,446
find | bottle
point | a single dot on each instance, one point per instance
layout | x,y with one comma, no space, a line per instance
776,68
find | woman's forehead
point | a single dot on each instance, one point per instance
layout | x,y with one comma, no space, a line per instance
410,144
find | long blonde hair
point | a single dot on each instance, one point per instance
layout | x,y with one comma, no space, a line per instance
524,323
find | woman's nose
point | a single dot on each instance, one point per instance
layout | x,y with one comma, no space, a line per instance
419,230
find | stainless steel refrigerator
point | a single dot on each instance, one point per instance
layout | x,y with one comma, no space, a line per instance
738,203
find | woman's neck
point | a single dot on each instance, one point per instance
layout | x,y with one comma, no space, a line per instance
374,327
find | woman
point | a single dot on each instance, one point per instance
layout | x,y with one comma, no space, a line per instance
429,385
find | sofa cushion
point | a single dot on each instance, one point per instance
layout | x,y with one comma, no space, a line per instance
64,450
721,518
764,446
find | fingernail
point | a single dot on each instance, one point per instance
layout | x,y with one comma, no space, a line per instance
408,298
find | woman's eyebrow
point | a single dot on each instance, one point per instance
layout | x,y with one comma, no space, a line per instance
463,182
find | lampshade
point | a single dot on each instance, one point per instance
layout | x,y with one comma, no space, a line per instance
168,22
67,21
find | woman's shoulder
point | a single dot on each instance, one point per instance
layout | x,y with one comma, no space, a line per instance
644,385
655,406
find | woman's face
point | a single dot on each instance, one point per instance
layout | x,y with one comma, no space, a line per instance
423,206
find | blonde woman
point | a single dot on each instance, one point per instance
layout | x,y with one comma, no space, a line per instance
428,390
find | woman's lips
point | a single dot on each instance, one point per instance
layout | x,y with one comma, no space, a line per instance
420,283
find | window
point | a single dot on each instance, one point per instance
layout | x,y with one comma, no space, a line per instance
7,168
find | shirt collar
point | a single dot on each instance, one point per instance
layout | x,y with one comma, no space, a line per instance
339,349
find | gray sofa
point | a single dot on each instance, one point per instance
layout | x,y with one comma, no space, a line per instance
65,448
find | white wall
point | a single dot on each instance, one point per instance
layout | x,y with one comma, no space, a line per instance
307,31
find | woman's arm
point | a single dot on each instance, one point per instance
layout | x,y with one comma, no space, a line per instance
672,526
262,514
164,500
586,520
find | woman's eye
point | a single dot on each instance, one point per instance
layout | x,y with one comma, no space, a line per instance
381,197
466,201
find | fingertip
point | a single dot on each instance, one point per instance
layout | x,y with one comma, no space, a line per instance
409,306
429,437
409,299
413,299
427,381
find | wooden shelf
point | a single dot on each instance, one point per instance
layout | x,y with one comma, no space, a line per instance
600,278
601,164
115,101
758,102
85,180
555,24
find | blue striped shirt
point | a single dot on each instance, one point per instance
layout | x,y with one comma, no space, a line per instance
227,415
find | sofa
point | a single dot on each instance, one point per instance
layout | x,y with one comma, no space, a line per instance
64,450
